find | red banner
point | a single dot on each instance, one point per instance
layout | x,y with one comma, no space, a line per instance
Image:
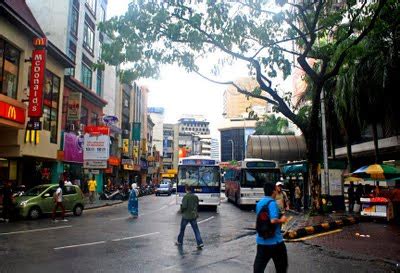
100,130
38,69
11,112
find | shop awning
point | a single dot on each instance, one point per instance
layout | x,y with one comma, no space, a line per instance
280,148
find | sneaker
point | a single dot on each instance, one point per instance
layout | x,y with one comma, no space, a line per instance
200,246
177,243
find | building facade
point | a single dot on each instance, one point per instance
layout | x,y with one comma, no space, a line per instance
28,157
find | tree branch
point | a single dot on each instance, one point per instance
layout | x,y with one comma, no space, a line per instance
364,33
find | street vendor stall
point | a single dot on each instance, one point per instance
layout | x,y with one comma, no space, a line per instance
378,203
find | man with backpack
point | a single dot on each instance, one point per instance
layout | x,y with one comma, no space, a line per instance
269,237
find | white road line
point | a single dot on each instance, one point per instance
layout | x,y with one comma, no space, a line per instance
33,230
87,244
205,220
134,237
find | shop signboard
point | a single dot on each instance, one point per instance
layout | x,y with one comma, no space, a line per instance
95,171
73,148
96,143
38,68
110,120
74,106
136,131
11,112
125,146
95,164
126,161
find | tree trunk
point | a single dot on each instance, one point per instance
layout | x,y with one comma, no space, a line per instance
375,137
349,153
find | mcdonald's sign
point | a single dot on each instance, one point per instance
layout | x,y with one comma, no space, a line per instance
39,42
11,112
38,68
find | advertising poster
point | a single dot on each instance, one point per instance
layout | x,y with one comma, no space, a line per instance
74,106
96,143
73,148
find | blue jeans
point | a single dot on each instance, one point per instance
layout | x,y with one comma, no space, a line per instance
196,231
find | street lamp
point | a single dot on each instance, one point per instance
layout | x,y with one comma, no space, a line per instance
233,148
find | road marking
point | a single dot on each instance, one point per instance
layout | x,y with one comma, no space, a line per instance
134,237
143,214
87,244
314,236
33,230
205,220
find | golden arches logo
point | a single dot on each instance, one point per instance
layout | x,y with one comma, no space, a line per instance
39,41
12,113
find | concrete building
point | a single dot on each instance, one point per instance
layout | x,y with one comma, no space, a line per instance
157,116
25,158
170,148
193,125
238,105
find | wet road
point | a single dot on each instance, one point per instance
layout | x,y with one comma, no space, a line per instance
108,240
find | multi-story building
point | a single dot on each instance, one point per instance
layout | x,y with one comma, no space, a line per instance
234,134
191,128
28,157
72,25
170,149
215,149
238,105
157,116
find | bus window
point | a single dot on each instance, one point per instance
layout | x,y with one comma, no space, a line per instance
208,176
257,178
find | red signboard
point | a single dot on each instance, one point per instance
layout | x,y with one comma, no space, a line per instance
113,161
11,112
100,130
38,68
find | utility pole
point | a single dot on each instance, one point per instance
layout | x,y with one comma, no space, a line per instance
324,144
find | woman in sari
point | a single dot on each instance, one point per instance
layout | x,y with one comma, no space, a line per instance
133,204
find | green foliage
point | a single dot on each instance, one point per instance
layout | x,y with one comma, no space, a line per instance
272,125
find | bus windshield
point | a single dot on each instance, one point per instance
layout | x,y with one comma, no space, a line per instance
199,176
257,177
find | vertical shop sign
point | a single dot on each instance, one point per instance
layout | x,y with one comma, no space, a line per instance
136,131
35,109
74,106
125,146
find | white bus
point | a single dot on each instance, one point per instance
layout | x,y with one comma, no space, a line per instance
244,182
203,175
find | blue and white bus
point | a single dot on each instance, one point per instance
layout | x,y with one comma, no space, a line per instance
203,175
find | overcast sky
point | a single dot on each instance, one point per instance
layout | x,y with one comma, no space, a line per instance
182,93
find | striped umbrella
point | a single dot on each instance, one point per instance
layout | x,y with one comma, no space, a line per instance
377,172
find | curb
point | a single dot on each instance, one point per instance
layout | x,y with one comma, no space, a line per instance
104,205
322,227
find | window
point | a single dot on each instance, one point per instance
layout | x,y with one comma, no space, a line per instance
9,68
86,76
74,21
72,56
88,35
95,119
84,115
99,82
102,14
50,105
91,4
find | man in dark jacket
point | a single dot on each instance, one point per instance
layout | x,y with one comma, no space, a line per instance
189,208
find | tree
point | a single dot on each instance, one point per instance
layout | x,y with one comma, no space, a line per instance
272,125
152,33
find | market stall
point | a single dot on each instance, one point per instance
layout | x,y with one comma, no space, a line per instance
380,207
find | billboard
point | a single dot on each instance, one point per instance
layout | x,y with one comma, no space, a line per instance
96,143
73,148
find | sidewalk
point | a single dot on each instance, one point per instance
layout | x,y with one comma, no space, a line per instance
100,203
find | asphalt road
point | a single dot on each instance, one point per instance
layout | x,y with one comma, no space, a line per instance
109,240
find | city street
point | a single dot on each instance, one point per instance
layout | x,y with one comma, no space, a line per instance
107,240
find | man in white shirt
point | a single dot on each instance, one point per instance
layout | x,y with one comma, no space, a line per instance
58,198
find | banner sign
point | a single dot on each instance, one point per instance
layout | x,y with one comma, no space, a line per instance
11,112
74,106
95,164
125,146
136,131
97,130
126,161
96,147
35,108
73,148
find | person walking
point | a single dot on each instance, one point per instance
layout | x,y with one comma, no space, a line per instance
92,189
351,196
58,199
7,201
297,197
189,209
273,246
281,198
133,203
